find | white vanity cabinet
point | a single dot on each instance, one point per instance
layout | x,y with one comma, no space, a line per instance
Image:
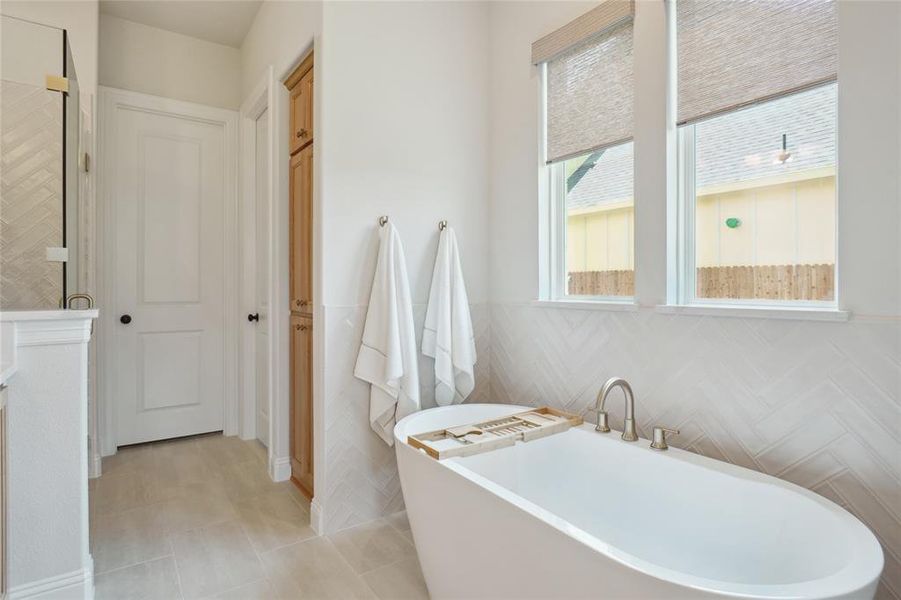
44,365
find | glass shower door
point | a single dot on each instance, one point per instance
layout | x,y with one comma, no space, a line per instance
38,165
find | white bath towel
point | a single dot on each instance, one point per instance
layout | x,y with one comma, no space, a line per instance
447,336
387,358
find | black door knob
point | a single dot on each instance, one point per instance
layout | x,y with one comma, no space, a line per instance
253,317
125,319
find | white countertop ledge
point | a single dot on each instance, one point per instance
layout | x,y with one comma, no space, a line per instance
39,328
47,315
801,313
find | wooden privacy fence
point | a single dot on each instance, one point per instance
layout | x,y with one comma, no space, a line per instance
602,283
765,282
768,282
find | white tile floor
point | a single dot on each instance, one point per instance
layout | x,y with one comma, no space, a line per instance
200,518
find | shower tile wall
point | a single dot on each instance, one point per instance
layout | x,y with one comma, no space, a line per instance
814,403
30,202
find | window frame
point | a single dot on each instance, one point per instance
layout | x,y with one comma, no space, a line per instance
685,248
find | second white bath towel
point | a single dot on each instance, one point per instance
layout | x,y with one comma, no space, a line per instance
447,336
387,358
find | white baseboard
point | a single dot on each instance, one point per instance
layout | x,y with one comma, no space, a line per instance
95,466
280,468
316,517
75,584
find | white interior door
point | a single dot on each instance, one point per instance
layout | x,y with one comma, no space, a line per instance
168,187
261,339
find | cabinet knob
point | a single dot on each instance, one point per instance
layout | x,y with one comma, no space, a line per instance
253,317
125,319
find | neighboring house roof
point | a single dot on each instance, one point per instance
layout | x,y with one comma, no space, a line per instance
740,146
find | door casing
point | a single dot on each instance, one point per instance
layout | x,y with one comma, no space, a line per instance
258,102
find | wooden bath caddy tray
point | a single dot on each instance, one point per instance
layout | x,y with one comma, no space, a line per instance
467,440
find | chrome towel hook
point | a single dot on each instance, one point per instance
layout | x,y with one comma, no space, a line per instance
442,225
383,220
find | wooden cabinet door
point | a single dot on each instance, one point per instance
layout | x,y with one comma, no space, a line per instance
301,236
302,402
302,112
306,83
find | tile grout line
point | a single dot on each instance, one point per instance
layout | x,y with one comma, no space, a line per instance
232,589
350,566
181,591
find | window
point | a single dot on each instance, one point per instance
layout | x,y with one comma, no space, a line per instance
588,102
757,152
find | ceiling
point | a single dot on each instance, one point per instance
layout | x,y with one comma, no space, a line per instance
221,21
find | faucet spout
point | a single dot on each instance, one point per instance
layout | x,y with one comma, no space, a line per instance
629,433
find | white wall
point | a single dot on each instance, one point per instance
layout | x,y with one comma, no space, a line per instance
815,403
79,18
405,118
154,61
281,31
404,134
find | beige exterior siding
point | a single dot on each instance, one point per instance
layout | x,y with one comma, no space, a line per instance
600,241
784,223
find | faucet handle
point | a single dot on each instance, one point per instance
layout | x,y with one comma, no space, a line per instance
659,441
602,425
600,419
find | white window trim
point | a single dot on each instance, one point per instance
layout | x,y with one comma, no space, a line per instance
685,300
589,303
804,313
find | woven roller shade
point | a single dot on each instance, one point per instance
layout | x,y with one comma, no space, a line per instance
733,53
590,95
607,15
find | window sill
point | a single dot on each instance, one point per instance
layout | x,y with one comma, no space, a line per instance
805,313
609,305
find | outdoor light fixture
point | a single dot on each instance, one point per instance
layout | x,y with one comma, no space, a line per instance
784,155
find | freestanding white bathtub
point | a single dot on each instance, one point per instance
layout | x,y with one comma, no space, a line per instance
583,514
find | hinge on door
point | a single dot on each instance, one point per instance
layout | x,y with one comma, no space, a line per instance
57,83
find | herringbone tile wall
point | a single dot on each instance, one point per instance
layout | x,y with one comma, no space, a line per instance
362,482
30,196
814,403
818,404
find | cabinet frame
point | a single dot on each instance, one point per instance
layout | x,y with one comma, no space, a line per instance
300,240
